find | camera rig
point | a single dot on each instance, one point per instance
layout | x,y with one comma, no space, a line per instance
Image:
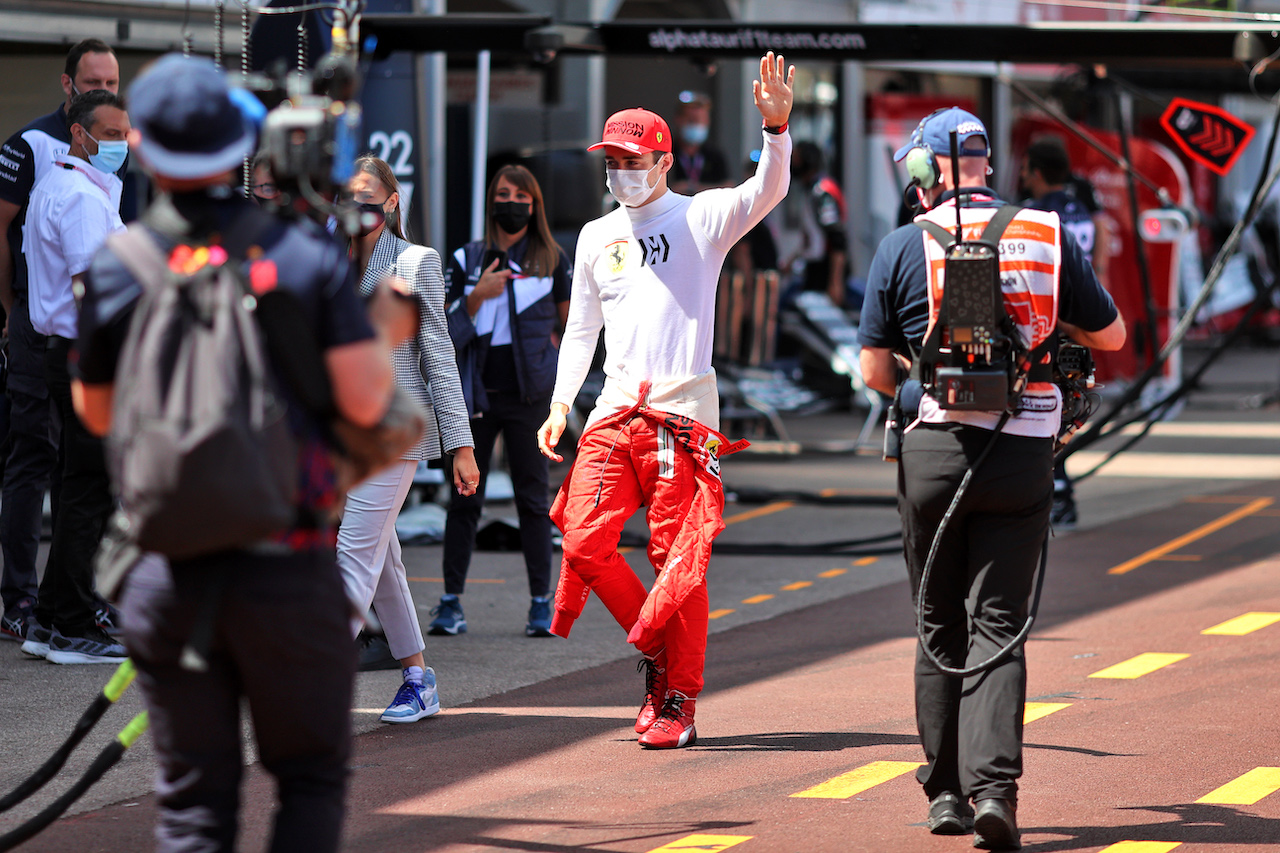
311,134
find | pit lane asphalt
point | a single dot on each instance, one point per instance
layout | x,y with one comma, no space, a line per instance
533,750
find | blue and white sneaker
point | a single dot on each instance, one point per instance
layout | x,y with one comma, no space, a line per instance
38,637
539,624
414,701
449,617
13,625
93,645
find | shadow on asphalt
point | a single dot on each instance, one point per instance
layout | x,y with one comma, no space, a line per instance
486,833
1195,823
802,742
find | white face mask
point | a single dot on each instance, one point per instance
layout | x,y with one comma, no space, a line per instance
631,186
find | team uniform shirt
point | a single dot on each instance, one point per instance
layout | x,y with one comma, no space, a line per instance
1075,216
25,158
536,298
73,209
648,275
896,313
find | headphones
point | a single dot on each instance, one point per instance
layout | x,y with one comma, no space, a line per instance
921,162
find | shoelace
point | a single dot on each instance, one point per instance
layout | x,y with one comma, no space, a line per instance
672,709
651,675
408,695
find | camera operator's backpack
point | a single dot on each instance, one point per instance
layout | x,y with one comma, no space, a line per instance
201,453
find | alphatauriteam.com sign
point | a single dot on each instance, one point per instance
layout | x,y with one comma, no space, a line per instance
753,39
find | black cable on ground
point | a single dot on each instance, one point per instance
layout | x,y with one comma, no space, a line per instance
119,682
104,762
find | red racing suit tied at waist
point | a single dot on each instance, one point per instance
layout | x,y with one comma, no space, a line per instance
690,552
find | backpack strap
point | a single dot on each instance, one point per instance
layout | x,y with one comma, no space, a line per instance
137,250
996,226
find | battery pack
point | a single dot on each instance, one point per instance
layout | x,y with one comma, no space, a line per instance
971,389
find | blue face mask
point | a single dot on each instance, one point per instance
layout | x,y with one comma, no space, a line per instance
694,134
111,154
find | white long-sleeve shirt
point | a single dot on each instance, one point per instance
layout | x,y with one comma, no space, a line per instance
648,275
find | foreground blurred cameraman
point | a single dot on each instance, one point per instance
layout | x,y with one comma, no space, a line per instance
280,634
976,602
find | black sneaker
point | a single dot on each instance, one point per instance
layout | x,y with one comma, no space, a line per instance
950,814
995,826
375,654
107,618
13,626
92,646
1063,514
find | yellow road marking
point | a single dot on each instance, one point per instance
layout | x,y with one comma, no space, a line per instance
1141,847
1186,539
1246,624
1036,710
792,587
756,599
716,614
832,573
704,843
865,561
767,509
1139,666
856,781
1247,789
469,580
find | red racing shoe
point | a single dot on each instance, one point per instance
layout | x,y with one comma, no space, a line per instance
655,687
674,726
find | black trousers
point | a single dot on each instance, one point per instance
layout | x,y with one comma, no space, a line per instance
977,599
518,423
66,591
281,640
31,461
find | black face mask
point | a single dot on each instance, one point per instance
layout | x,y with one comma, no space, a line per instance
511,216
371,216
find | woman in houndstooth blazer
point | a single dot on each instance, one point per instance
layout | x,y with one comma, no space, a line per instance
425,366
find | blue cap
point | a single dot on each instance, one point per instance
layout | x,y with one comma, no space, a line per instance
190,126
935,132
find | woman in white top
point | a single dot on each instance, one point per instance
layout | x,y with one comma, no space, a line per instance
368,550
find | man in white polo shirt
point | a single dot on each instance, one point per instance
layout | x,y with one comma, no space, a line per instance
73,209
647,273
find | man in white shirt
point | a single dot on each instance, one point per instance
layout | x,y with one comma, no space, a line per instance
73,209
647,274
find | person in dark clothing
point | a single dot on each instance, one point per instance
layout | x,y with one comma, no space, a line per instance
981,578
698,165
822,260
507,294
1046,176
32,447
281,627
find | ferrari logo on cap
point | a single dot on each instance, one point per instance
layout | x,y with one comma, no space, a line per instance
617,253
659,136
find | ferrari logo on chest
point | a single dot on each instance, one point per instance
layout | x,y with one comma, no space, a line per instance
617,254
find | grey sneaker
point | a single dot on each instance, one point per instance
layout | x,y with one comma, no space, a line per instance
37,642
94,645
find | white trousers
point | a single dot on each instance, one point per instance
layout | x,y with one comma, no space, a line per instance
370,560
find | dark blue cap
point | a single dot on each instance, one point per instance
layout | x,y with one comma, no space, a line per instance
189,124
935,132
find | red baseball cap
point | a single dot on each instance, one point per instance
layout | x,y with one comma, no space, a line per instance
636,130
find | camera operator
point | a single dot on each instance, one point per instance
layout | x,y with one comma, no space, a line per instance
280,630
976,602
